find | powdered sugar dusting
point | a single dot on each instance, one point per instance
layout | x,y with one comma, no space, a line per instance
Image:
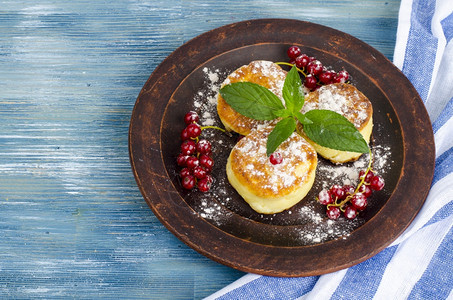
262,72
264,69
205,100
340,101
323,229
310,226
273,177
211,205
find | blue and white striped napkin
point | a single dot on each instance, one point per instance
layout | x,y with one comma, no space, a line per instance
419,264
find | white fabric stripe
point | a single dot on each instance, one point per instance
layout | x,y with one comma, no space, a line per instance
402,32
443,137
236,284
436,29
411,260
442,89
439,196
441,12
325,286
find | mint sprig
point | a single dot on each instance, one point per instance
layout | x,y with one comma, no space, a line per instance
325,127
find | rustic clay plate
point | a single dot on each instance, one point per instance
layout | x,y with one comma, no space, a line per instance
300,241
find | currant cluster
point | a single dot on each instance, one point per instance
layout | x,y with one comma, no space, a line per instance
313,70
349,200
195,157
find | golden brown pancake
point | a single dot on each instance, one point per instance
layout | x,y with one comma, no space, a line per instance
265,73
269,188
348,101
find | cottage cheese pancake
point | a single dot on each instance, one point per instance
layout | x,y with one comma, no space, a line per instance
348,101
264,73
266,187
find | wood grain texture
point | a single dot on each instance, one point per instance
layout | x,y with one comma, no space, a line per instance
72,221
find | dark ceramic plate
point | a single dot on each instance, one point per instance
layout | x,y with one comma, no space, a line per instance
300,241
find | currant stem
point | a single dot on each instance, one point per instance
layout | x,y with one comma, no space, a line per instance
291,65
213,127
362,181
368,169
218,128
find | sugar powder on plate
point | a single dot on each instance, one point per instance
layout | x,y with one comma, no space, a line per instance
211,205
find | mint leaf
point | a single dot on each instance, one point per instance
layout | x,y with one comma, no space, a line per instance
279,134
283,113
302,118
332,130
292,91
252,100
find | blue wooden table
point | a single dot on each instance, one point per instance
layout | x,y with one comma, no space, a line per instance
73,223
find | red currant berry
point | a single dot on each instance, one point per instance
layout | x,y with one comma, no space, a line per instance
204,147
377,183
192,162
188,182
181,160
368,176
293,52
301,61
185,134
361,173
310,82
344,74
341,76
359,201
337,192
365,190
200,172
276,158
204,185
333,212
350,212
193,130
209,178
349,189
191,117
185,172
206,161
315,67
188,147
326,76
324,197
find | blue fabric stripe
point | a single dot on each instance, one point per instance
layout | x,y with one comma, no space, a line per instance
423,12
446,114
353,285
437,280
421,47
444,165
442,213
447,26
273,288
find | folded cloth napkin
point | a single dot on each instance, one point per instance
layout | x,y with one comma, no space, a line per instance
418,265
